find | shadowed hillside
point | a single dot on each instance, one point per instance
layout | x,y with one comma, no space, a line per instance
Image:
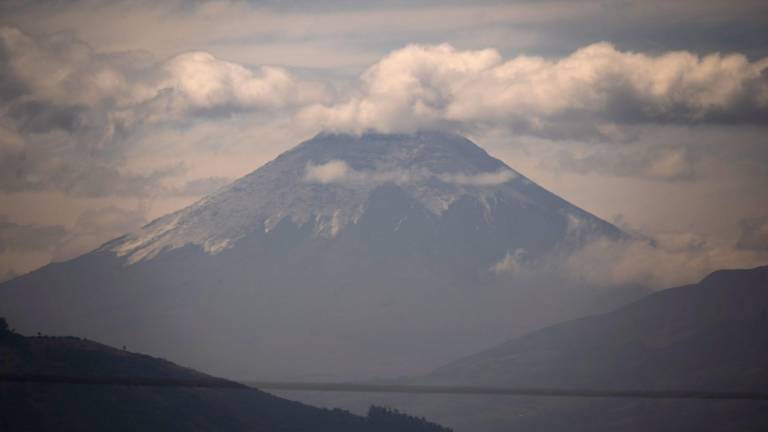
709,336
85,407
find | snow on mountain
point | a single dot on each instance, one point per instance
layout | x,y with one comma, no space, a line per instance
326,182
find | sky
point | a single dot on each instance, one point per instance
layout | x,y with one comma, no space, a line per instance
650,114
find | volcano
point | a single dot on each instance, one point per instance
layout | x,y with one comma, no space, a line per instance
347,256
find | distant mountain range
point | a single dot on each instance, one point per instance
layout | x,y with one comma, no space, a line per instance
709,336
89,407
345,257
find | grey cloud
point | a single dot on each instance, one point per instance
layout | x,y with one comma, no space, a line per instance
96,226
71,115
555,28
667,163
77,175
38,117
592,90
56,128
661,262
754,234
59,70
98,104
337,171
201,186
28,238
92,228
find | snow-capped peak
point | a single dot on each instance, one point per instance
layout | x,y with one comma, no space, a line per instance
326,182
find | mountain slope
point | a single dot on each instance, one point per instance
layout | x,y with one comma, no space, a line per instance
345,257
327,183
677,338
64,407
709,336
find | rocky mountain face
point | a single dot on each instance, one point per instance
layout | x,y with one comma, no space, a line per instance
345,257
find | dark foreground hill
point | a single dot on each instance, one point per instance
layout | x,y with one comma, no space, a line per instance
709,336
90,407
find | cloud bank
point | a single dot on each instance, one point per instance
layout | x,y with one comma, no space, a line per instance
665,261
28,237
659,262
71,114
582,95
60,97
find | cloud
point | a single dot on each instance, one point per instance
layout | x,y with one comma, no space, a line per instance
92,228
28,238
96,226
72,115
27,246
95,106
659,162
77,175
329,172
205,83
511,263
337,171
754,234
305,34
661,262
64,71
349,35
201,186
60,69
584,94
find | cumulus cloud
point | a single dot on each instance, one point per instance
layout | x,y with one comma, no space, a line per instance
754,234
200,81
63,71
88,108
337,171
584,94
71,115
